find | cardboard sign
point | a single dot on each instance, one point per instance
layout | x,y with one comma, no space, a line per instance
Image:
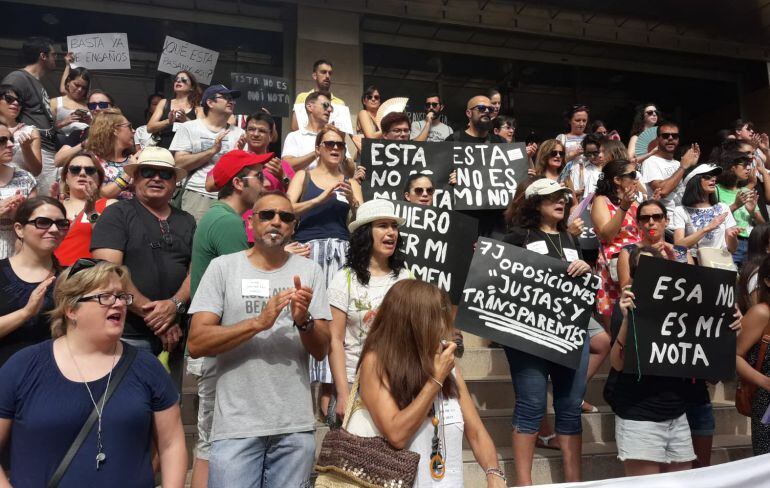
682,319
262,91
488,174
389,163
100,51
438,244
181,55
528,302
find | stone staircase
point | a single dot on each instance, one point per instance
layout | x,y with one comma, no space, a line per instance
485,371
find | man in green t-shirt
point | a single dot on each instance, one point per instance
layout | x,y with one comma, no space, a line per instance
741,199
221,230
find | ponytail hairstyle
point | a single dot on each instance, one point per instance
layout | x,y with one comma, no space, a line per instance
606,185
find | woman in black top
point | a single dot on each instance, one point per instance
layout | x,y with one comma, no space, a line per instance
540,225
26,293
183,107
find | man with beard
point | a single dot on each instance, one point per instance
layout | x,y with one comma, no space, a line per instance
322,75
260,312
431,129
663,174
479,112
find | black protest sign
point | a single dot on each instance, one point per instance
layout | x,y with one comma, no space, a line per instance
389,163
680,326
527,301
438,245
588,240
262,91
488,174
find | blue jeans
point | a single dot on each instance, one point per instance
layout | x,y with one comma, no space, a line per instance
739,256
276,461
530,382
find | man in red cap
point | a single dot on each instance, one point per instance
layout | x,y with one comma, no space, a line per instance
238,178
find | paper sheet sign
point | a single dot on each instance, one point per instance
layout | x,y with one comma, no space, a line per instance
181,55
100,51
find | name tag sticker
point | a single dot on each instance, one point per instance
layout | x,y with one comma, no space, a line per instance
255,288
571,255
452,412
515,154
341,197
538,247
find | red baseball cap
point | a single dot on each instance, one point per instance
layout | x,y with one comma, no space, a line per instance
232,162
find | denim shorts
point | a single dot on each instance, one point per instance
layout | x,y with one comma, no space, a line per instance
668,441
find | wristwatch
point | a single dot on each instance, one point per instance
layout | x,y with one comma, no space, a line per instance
307,326
93,217
180,307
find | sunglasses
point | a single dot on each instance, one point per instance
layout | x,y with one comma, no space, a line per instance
149,173
631,174
428,191
259,176
372,97
5,140
651,112
75,170
432,104
9,99
268,215
485,109
738,162
643,219
84,263
669,135
182,80
327,106
554,153
331,145
165,232
591,154
99,105
46,223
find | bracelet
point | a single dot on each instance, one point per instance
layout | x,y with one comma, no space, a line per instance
440,384
497,472
622,346
122,184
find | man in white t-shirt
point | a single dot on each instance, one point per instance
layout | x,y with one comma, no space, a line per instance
663,173
198,145
431,129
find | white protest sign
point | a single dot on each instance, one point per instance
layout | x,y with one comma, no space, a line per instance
181,55
340,117
100,51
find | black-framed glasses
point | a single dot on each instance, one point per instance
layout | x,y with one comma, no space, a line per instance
331,145
432,104
428,191
181,79
489,109
99,105
268,215
643,219
555,153
84,263
6,139
44,223
150,172
9,99
75,170
398,131
165,232
631,174
591,154
108,299
651,112
669,135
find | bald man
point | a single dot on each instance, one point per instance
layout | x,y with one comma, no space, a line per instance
479,112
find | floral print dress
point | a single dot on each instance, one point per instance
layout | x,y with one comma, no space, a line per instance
609,293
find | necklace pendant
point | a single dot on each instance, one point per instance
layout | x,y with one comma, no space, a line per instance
100,457
437,467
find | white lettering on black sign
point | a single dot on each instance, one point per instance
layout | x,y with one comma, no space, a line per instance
262,91
488,174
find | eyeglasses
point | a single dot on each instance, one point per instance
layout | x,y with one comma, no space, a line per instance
432,104
332,145
591,154
75,170
99,105
398,131
643,219
669,135
6,139
108,299
327,106
84,263
127,124
738,162
224,96
508,127
268,215
149,173
9,99
258,176
485,109
181,79
631,174
555,153
651,112
710,176
372,97
428,191
46,223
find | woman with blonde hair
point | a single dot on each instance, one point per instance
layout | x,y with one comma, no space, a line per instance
412,394
111,139
120,395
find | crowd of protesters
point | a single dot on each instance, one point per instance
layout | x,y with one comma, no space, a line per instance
120,246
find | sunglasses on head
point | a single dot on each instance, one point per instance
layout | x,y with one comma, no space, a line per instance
83,263
651,112
268,215
331,145
46,223
555,153
657,217
99,105
484,109
372,97
150,172
428,191
669,135
9,99
75,170
432,104
6,139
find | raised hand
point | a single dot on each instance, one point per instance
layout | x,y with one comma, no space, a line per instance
272,309
300,302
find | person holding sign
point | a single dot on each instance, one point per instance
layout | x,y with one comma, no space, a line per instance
374,263
415,397
170,113
540,225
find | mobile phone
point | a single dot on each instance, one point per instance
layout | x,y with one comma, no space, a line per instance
81,113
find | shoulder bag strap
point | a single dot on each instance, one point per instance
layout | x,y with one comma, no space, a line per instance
352,397
117,377
763,343
305,183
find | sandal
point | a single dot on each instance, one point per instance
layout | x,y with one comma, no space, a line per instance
544,441
586,407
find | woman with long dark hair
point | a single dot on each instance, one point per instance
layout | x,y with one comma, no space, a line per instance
576,119
374,263
171,111
70,110
646,117
366,122
412,394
